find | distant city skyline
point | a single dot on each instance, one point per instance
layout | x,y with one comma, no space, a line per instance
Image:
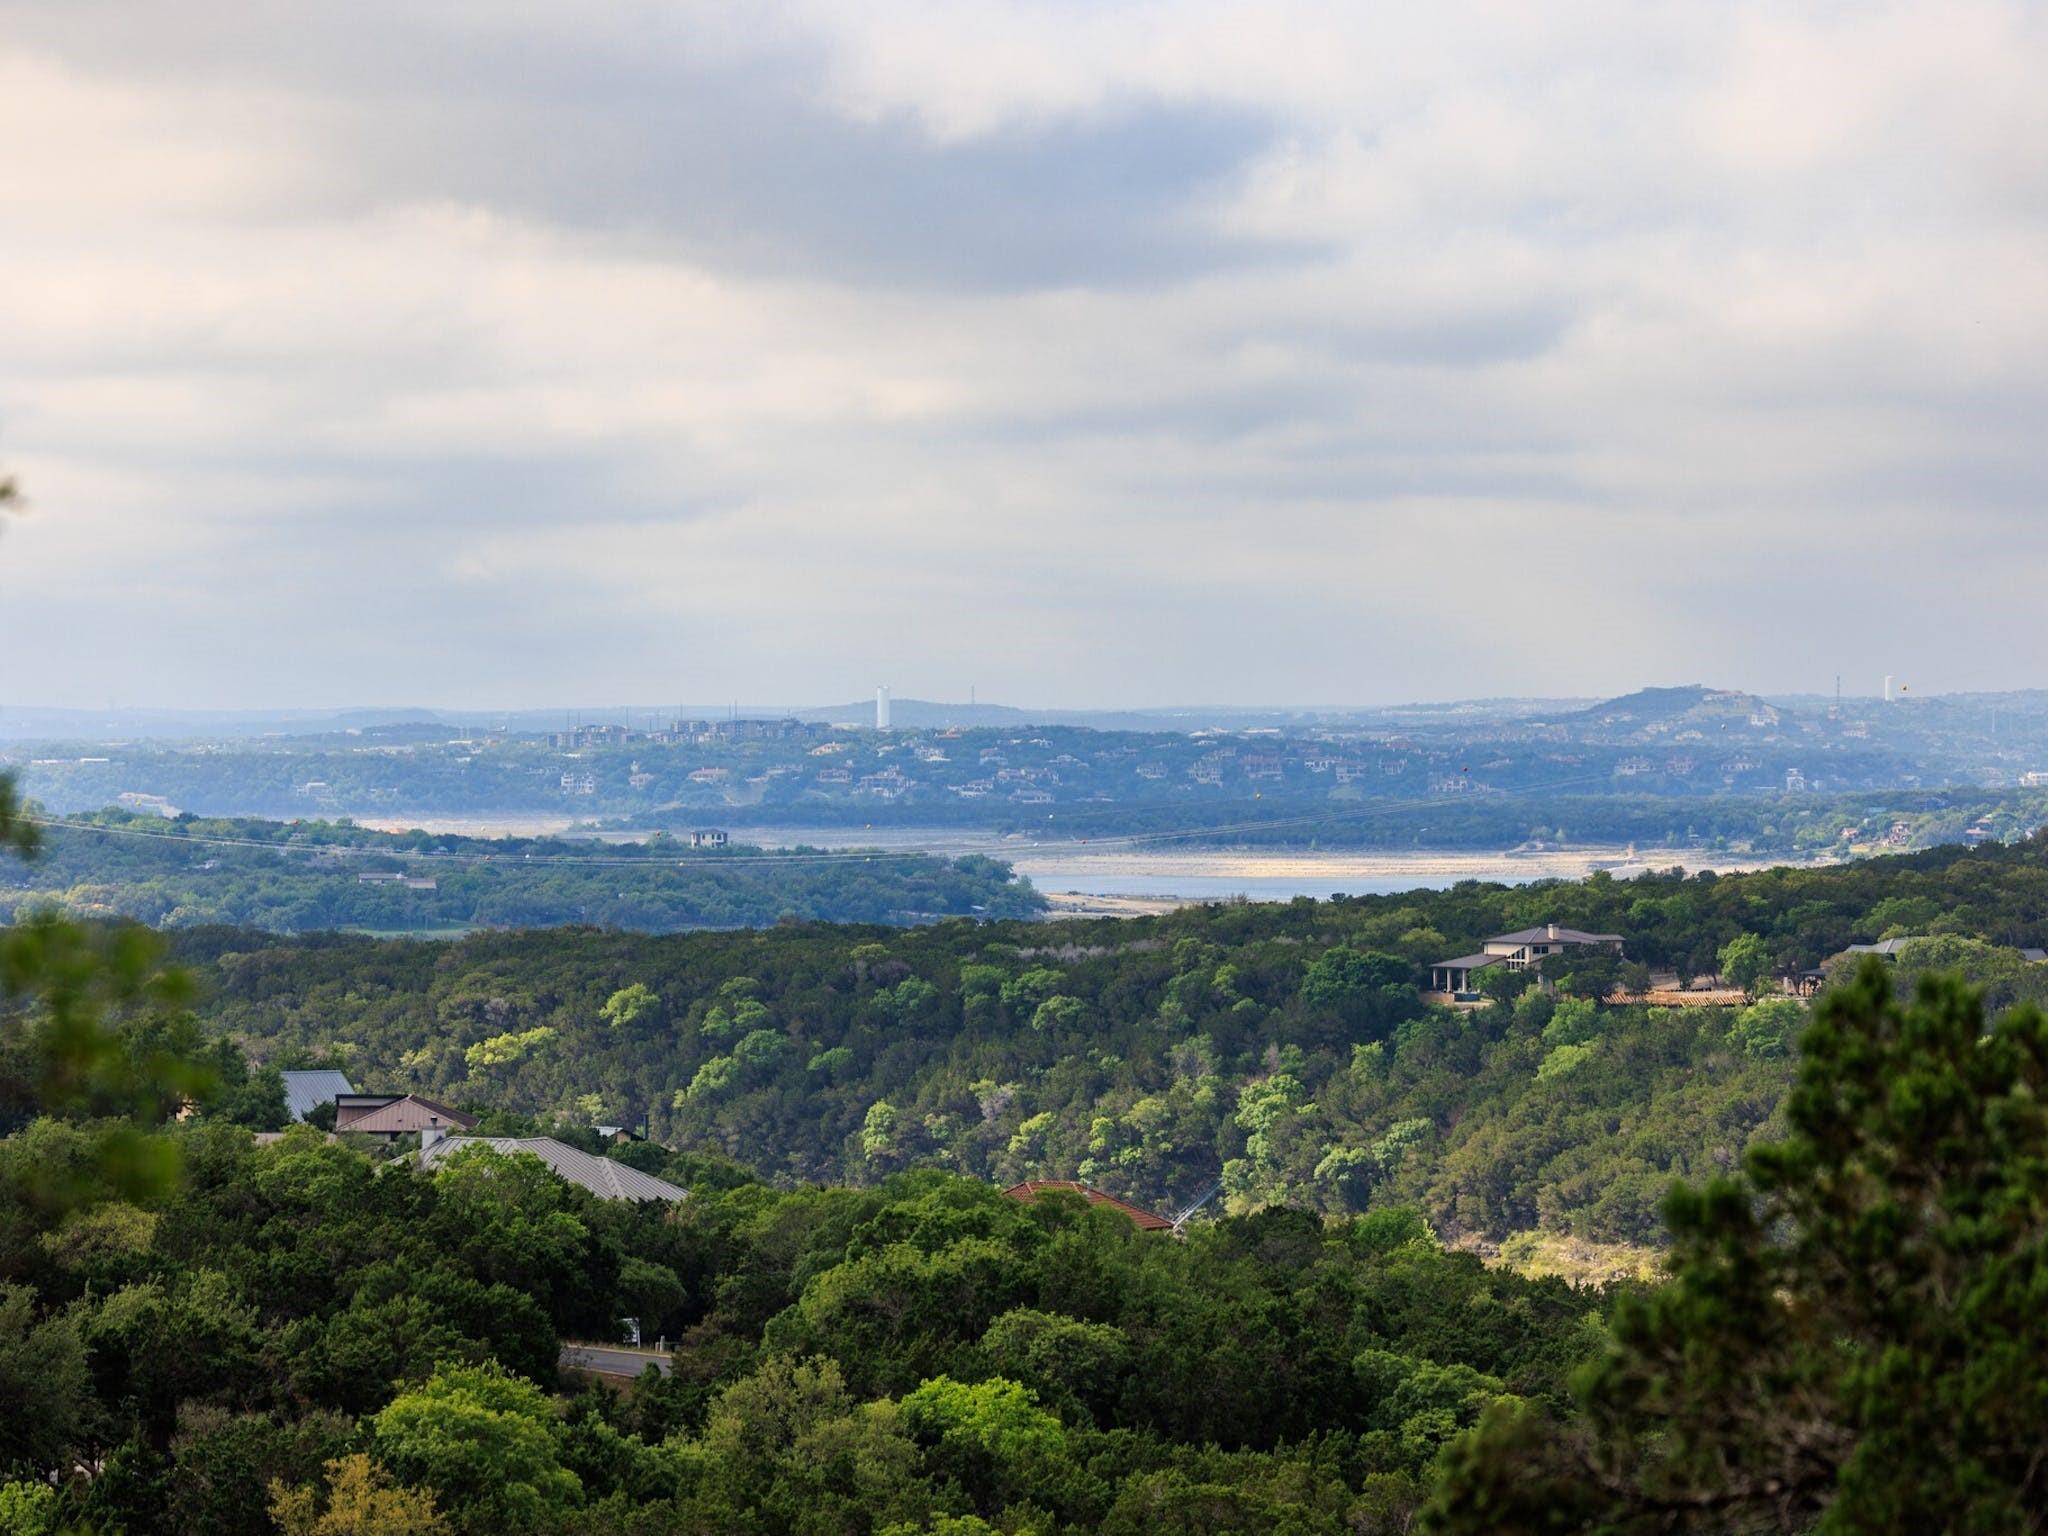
24,718
1119,354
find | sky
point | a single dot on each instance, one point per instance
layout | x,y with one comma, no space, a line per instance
496,354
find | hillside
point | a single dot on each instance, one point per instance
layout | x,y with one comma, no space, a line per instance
300,876
1692,704
1280,1047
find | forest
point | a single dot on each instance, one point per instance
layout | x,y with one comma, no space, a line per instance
1281,1048
199,1333
293,877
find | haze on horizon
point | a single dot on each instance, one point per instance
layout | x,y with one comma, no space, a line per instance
1099,355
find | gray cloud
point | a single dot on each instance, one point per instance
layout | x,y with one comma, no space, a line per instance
506,353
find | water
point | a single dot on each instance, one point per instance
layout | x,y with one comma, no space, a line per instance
1171,882
1165,870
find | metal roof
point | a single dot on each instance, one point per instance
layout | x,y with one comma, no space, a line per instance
604,1178
1468,962
410,1113
305,1092
1553,935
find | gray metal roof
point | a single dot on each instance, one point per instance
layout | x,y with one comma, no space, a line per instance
1560,936
1468,962
305,1092
604,1178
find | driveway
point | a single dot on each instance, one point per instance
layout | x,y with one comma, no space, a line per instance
614,1359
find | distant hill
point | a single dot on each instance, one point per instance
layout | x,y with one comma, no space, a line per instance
1690,702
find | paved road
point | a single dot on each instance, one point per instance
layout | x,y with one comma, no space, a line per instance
614,1360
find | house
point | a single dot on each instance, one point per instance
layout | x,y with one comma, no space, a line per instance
1031,1190
389,1116
600,1175
306,1091
1806,983
1518,951
1889,949
709,837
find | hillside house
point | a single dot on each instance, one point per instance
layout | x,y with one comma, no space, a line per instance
306,1091
388,1116
1522,950
604,1178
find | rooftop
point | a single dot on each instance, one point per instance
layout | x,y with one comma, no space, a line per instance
1467,962
306,1091
604,1178
400,1115
1553,934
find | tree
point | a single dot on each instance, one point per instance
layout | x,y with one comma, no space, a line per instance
43,1384
1851,1337
485,1442
1746,962
1768,1028
362,1500
628,1004
1341,974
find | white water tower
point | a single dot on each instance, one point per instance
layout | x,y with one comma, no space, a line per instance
882,708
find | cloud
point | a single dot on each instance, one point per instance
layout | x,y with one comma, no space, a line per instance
1091,353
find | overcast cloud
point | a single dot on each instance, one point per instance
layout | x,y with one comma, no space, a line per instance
516,354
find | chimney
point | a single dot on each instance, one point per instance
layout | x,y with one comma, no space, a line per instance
432,1134
1550,932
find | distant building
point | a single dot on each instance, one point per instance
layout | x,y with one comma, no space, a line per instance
604,1178
1525,949
306,1091
1889,948
389,1116
882,709
709,837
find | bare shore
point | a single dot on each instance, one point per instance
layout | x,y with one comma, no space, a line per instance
1441,867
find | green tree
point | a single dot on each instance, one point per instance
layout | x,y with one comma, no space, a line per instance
627,1004
1746,962
486,1443
44,1391
1851,1337
362,1500
28,1509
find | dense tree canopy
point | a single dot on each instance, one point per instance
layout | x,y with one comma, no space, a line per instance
201,1332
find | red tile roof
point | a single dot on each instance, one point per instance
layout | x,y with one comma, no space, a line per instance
1142,1219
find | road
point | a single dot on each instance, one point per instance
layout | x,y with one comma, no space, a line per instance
614,1359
